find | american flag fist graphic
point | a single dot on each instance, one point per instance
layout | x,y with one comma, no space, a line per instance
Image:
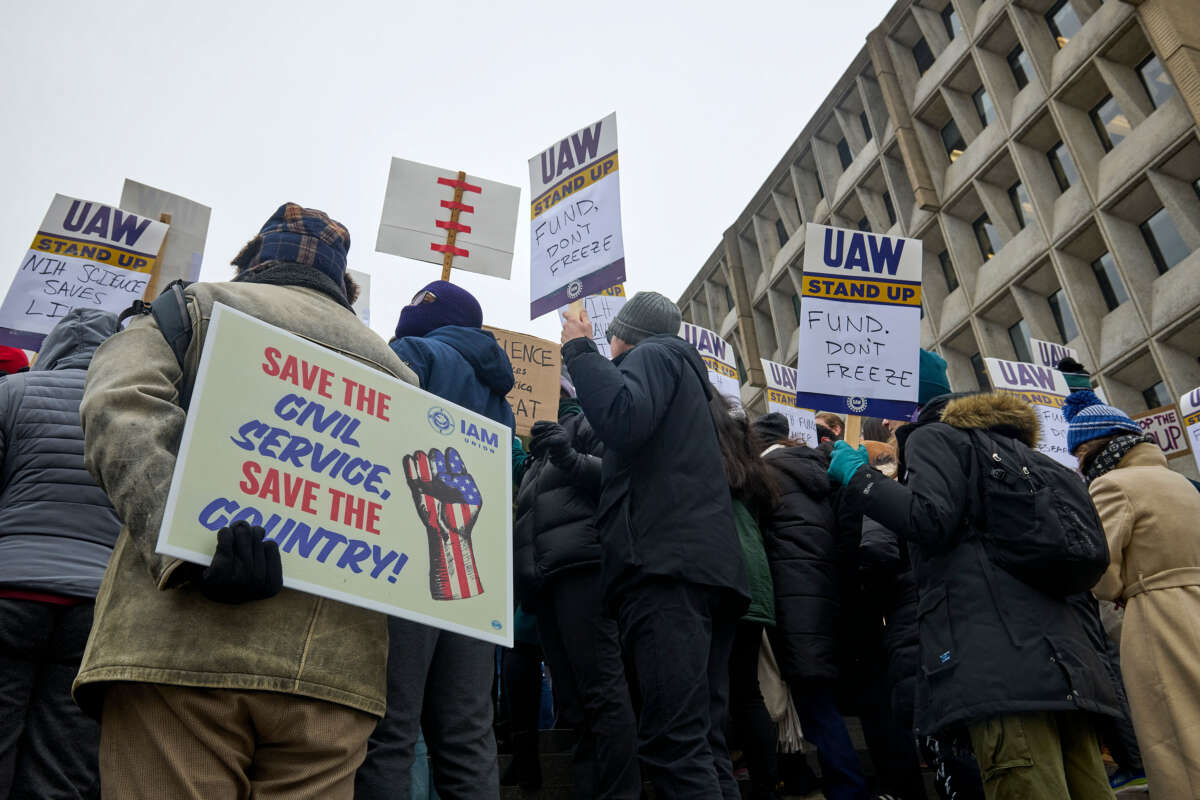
448,502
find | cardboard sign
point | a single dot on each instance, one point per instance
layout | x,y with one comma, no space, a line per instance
379,494
183,250
601,309
1048,354
718,357
537,368
362,306
1189,410
1166,426
781,398
1046,390
84,254
860,319
576,248
417,206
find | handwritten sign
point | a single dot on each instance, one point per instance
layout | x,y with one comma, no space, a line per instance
357,475
861,322
1189,410
415,223
85,254
576,248
781,398
183,251
1048,354
1166,426
718,358
537,368
1045,389
601,310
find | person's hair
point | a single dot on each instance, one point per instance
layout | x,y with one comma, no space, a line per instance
831,420
874,430
825,434
747,474
1087,451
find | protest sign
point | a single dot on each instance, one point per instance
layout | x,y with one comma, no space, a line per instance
356,474
1048,354
433,214
1166,426
537,368
183,250
601,309
781,399
1045,389
718,358
576,247
84,254
362,306
1189,410
861,322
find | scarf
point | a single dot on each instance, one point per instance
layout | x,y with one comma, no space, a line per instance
1108,458
280,273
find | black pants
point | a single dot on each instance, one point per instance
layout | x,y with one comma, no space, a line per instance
752,724
48,748
822,723
583,651
679,641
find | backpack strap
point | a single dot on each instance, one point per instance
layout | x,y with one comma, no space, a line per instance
170,313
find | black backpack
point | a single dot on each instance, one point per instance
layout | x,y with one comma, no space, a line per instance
170,312
1035,517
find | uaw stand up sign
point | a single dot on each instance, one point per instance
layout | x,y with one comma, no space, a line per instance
860,323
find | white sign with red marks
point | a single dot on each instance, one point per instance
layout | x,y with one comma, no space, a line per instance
419,208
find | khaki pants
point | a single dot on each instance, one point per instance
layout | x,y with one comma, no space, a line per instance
200,744
1040,756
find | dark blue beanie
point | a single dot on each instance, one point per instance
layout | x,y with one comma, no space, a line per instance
451,305
297,235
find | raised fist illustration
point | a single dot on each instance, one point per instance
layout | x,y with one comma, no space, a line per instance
448,502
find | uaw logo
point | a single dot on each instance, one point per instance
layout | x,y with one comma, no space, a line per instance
440,420
856,405
574,289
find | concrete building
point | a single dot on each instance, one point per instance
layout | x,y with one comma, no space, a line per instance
1046,153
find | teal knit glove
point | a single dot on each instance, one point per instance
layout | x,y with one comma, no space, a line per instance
846,461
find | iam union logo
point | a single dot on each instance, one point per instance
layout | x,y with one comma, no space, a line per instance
440,420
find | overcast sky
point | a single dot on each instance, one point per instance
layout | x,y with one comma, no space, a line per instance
243,106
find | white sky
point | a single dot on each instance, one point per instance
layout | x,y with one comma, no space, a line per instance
244,106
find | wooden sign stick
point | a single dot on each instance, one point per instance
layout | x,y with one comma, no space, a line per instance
152,284
452,233
853,432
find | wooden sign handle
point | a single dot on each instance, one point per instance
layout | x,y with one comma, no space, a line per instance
853,432
452,233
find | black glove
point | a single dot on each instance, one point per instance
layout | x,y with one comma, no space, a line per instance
244,567
549,438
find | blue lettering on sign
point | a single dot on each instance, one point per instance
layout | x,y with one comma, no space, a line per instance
705,341
1022,374
109,223
579,148
866,251
473,431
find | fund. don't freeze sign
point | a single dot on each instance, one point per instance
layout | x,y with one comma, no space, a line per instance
860,323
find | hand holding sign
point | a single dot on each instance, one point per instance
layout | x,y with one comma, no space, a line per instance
576,325
448,501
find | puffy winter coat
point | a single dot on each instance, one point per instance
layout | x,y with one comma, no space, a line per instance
57,528
556,510
665,509
801,540
463,365
989,643
888,579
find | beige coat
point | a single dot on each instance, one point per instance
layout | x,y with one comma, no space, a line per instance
1151,517
148,627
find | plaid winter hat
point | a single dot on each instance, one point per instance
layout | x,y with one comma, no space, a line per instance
1090,418
297,235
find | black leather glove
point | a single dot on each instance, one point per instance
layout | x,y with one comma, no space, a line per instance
244,567
549,439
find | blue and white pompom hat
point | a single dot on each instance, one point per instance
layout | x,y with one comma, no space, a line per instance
1089,418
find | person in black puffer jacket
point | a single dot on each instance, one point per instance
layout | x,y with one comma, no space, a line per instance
557,565
57,530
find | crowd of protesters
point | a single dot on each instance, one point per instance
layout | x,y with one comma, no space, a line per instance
709,595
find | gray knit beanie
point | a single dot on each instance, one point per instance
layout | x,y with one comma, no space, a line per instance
646,314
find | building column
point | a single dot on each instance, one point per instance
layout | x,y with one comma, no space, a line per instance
1173,27
744,309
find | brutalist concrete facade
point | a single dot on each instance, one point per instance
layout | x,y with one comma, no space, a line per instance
1046,153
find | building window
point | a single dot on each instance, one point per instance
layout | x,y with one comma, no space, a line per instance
950,21
866,124
1063,21
781,232
953,140
981,376
1156,395
890,208
985,235
1018,62
1166,246
728,297
843,151
983,106
922,55
1111,286
1020,203
1064,320
796,307
820,188
1111,125
1062,165
948,271
864,225
1155,79
1018,334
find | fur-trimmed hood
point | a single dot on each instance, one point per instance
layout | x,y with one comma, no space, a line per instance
1003,413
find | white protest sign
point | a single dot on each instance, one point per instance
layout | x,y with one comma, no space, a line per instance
1189,410
183,251
718,357
362,306
1165,425
601,309
85,254
1045,389
861,322
781,399
417,218
1048,354
576,247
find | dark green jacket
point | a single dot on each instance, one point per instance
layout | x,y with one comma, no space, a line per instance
758,572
